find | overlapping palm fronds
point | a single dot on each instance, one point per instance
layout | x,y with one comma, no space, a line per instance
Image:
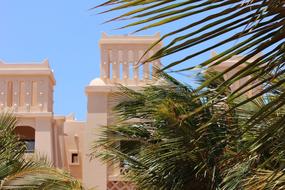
255,26
16,172
165,148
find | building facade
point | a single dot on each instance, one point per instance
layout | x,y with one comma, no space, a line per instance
27,89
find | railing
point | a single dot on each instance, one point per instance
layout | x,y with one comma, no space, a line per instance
120,185
116,178
122,66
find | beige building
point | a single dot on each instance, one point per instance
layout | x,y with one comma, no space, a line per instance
239,83
28,90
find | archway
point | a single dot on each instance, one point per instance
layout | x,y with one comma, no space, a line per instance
27,135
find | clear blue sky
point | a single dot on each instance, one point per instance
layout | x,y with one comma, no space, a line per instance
66,33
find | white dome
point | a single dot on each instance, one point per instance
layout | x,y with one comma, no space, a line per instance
97,82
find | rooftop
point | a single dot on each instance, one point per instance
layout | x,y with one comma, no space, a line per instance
41,68
128,39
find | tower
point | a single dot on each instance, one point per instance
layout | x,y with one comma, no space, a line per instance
27,90
237,84
120,64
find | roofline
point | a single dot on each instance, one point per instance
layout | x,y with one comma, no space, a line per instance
129,39
25,69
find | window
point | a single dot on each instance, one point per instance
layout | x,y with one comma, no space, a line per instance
30,145
131,149
74,158
26,135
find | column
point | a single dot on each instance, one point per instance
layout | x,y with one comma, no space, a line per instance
125,63
136,66
28,96
116,66
105,65
146,74
94,171
15,95
43,137
2,95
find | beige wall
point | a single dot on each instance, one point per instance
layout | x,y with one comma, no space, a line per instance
224,65
94,171
26,87
58,139
73,144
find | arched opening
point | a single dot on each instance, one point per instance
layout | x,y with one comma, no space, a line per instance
27,135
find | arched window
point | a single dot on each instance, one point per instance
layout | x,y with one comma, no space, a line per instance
27,135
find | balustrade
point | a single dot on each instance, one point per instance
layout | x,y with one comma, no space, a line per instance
125,66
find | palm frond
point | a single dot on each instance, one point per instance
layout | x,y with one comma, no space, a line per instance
18,172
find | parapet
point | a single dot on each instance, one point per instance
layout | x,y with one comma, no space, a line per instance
26,87
128,39
27,69
121,58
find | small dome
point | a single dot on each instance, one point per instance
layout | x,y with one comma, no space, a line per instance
97,82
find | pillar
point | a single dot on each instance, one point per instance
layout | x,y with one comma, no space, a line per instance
94,171
43,137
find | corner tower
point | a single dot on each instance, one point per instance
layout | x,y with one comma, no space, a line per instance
120,64
121,57
27,90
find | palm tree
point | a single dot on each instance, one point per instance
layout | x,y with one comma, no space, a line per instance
161,145
247,27
253,25
16,172
167,144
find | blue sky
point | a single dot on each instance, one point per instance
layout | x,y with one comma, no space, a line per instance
66,33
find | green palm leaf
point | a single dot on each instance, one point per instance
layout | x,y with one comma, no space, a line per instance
16,172
253,154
